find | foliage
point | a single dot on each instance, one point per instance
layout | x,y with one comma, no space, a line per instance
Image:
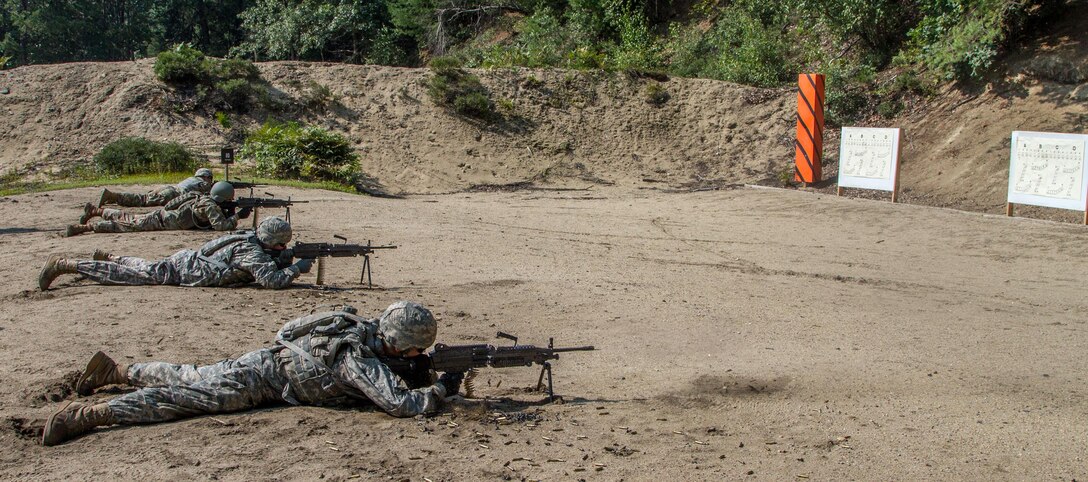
182,64
454,88
223,119
137,155
340,30
231,84
4,59
293,151
656,94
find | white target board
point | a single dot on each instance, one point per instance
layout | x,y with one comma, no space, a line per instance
1047,169
869,158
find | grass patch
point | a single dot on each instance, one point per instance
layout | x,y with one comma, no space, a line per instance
14,187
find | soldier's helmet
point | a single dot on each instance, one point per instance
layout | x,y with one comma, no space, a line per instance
406,325
203,172
274,230
222,191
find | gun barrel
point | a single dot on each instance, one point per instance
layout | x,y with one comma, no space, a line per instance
574,348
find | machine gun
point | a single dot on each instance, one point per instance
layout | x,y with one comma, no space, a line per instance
464,358
255,203
319,251
238,184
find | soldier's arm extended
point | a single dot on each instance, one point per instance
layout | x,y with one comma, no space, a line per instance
265,269
374,379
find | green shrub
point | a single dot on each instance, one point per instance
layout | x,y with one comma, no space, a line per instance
181,64
236,69
454,88
229,84
136,155
317,96
235,93
292,151
656,94
223,119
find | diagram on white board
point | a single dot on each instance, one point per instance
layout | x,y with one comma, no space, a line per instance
1049,167
866,153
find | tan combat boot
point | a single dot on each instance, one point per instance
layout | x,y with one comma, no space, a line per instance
108,197
77,229
75,419
89,211
53,268
103,255
101,371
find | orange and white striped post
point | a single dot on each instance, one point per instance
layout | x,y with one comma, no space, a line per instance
809,145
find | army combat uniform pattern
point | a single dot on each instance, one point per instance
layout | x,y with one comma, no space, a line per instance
190,211
228,260
320,359
160,197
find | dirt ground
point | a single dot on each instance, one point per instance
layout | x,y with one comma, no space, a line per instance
746,333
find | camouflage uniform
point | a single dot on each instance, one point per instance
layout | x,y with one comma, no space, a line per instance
334,364
229,260
160,197
189,211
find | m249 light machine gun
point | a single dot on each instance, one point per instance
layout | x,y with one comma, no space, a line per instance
255,203
466,358
319,251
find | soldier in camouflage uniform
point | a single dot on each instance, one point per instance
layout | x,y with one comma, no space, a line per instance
190,211
200,182
321,359
234,259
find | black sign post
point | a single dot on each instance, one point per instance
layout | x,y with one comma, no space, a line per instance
226,158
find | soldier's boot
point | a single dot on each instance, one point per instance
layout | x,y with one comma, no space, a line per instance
77,229
75,419
103,255
108,197
101,371
53,268
89,211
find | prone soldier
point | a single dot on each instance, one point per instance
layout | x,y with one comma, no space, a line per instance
200,182
328,358
234,259
189,211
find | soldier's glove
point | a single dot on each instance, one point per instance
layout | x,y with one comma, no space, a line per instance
244,212
304,265
452,382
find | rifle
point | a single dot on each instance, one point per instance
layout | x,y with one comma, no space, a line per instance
243,185
463,358
319,251
256,203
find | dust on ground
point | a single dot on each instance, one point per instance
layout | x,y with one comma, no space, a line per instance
740,333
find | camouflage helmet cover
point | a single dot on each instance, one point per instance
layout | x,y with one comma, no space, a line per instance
274,230
203,172
222,191
406,325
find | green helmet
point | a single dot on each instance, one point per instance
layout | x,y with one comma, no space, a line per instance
406,325
222,191
274,230
203,172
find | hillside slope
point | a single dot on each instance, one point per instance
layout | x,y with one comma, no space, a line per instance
565,128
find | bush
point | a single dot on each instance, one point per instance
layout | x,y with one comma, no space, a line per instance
181,64
229,84
455,89
293,151
235,93
656,94
136,155
236,69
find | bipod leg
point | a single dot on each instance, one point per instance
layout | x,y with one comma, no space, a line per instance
546,368
288,214
366,272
